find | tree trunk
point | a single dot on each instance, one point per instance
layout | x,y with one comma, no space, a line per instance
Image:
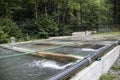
36,11
46,14
8,9
115,13
65,10
81,15
58,19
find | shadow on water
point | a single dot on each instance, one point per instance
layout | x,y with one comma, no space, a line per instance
81,50
35,46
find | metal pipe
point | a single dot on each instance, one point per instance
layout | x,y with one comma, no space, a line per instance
118,42
67,73
80,65
102,52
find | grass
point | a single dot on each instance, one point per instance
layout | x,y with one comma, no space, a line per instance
107,33
116,68
107,77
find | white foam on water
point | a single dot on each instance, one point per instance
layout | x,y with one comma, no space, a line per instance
48,64
55,65
88,49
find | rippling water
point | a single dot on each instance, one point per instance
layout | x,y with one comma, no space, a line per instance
28,67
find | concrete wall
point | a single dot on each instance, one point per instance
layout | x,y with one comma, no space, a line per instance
96,69
61,37
81,34
76,35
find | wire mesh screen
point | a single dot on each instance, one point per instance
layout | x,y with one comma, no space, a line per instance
5,52
23,65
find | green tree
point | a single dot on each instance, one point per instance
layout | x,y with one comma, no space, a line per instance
95,13
47,26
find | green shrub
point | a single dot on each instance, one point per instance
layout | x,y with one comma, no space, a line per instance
8,29
64,30
3,36
46,26
116,68
29,29
107,77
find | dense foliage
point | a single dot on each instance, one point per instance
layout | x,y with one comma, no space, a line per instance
8,28
33,19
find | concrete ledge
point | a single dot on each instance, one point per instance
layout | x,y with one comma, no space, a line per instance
96,69
75,35
81,34
66,37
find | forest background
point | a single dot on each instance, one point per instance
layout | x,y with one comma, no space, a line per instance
36,19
